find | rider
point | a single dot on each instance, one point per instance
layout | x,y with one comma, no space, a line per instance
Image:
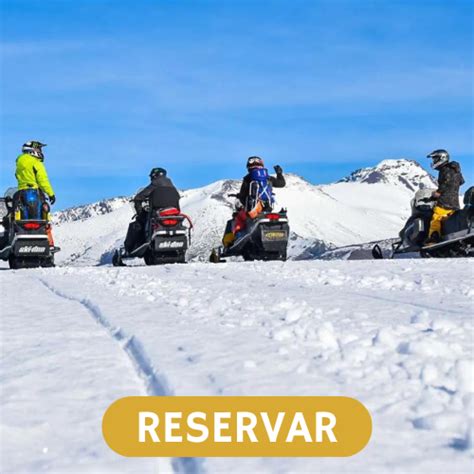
450,179
254,163
161,194
31,172
33,185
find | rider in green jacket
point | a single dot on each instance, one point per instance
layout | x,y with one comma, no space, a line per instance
31,172
31,176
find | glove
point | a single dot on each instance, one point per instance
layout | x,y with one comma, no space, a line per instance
278,169
52,199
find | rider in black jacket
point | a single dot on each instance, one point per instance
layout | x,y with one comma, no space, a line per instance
450,179
161,194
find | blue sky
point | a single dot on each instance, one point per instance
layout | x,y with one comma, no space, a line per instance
319,87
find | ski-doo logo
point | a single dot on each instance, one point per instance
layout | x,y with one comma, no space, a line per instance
171,245
32,249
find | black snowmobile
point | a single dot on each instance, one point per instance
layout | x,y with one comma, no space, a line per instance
166,238
457,239
27,240
264,238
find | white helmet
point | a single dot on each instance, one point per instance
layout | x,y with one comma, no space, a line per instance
34,148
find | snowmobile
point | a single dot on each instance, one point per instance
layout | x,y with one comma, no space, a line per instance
167,238
27,240
265,236
457,239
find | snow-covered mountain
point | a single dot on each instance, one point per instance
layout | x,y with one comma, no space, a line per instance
81,213
370,204
405,172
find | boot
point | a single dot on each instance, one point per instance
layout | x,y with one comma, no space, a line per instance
433,239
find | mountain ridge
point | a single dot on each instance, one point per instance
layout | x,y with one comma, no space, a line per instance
369,175
407,172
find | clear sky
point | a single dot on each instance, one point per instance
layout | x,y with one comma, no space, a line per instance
319,87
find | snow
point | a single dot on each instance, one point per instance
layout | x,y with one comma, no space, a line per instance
397,335
59,374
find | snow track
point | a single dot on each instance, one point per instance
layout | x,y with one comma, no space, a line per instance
155,383
58,375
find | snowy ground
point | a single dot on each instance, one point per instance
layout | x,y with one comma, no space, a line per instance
397,335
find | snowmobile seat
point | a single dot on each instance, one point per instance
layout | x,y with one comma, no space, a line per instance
456,222
461,220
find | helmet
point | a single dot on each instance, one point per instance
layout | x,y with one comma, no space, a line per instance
33,148
155,172
255,162
439,157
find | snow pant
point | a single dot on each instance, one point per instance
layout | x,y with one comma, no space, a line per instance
439,215
234,227
229,236
136,233
240,222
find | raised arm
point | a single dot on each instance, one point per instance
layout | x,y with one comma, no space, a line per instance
279,180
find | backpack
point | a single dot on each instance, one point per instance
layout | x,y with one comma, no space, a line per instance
262,189
31,204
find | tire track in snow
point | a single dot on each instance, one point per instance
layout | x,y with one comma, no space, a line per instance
397,301
155,384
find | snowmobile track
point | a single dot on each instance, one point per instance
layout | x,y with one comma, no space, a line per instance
407,303
155,384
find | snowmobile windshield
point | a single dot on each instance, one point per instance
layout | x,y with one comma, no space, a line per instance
10,192
3,209
423,200
132,202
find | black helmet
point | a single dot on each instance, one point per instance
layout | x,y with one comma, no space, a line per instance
155,172
33,148
439,157
255,162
